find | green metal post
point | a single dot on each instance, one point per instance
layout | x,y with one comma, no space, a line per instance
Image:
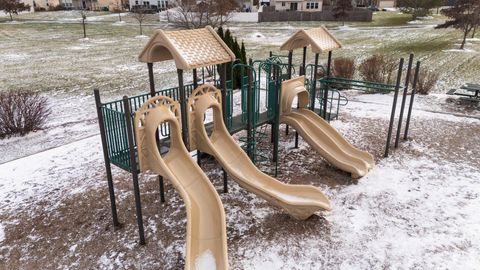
106,158
404,100
134,169
183,109
314,83
412,99
394,105
223,83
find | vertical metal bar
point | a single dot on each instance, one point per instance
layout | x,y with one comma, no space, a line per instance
325,90
289,76
225,182
157,137
290,60
394,105
183,109
195,82
412,99
195,85
302,72
134,170
304,61
250,127
162,189
314,83
277,113
404,99
106,158
151,79
223,83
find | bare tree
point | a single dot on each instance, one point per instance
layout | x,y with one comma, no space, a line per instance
190,14
140,15
340,11
464,15
12,7
84,13
119,9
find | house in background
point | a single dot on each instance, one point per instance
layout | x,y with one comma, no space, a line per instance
381,4
298,5
150,4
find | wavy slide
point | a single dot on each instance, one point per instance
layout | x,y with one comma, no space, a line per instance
319,133
206,231
300,201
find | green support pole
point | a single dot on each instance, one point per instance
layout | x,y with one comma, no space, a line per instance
314,83
223,83
404,100
134,169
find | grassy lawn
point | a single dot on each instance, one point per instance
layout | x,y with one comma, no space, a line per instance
53,57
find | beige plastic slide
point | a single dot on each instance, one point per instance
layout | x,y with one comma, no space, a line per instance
319,133
300,201
206,232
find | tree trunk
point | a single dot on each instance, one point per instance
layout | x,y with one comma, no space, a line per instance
474,32
464,39
119,16
84,30
141,32
11,18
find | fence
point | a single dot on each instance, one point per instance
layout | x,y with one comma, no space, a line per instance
363,15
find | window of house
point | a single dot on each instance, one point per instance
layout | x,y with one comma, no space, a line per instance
136,2
316,5
283,4
308,5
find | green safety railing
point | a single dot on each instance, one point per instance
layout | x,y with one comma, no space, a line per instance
113,114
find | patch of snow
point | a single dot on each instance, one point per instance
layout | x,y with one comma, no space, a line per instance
257,35
141,37
119,23
425,18
461,50
244,17
415,22
30,178
205,261
2,232
73,248
291,198
14,56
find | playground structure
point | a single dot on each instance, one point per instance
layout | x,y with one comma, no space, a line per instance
179,112
318,133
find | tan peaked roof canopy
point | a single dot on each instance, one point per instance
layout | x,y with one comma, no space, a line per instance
189,48
319,38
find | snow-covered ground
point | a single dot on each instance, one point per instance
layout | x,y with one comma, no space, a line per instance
416,209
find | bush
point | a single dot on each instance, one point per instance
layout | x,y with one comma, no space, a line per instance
378,68
22,112
344,67
56,8
426,82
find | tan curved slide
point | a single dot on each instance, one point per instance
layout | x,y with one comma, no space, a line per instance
300,201
319,133
206,231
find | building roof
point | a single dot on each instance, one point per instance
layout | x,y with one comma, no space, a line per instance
188,48
319,38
